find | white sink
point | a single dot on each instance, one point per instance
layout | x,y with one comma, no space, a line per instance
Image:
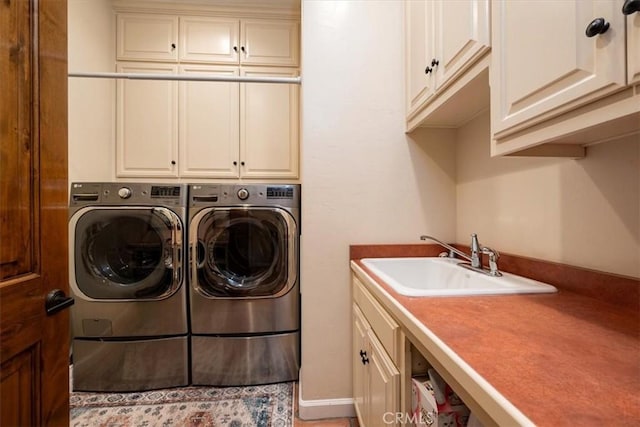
442,277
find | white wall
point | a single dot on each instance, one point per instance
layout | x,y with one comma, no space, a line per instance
580,212
91,101
363,180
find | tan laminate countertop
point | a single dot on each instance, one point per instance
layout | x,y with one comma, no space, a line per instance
560,359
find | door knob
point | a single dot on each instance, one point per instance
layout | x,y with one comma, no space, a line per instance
56,300
630,6
597,26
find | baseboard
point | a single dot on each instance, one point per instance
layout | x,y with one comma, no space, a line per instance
325,408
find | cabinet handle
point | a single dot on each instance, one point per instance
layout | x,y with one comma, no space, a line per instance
428,70
243,49
363,357
173,45
235,48
173,162
630,6
597,26
435,62
235,163
241,163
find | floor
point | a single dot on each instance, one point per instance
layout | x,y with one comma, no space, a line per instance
332,422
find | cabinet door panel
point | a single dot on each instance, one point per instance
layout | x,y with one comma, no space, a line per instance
147,123
209,125
359,369
270,43
529,79
419,52
463,35
633,48
211,40
384,381
147,37
269,126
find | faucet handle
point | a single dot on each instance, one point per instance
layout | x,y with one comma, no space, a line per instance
493,261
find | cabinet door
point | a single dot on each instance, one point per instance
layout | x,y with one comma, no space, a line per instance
270,43
359,367
147,123
209,124
419,50
633,48
143,37
462,36
543,64
213,40
384,383
269,123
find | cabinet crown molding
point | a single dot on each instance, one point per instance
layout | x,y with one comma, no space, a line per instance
282,9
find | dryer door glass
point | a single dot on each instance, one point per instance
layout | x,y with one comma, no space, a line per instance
129,253
245,253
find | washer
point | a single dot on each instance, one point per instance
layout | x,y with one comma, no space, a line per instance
244,287
129,321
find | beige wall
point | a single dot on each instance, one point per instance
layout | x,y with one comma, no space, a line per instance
580,212
91,101
363,180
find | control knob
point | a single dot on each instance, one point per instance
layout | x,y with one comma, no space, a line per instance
243,194
124,193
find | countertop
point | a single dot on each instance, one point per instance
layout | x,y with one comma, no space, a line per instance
560,359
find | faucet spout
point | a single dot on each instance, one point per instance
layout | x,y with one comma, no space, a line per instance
449,247
476,252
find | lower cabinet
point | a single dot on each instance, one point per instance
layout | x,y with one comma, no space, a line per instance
377,361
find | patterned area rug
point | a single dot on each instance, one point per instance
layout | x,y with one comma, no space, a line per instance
252,406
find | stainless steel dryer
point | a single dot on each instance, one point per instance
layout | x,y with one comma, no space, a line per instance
244,288
129,322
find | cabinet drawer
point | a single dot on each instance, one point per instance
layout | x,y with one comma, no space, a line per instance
382,324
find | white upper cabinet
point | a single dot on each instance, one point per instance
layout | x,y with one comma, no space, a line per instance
147,123
209,124
269,42
562,76
269,125
240,42
143,37
445,44
207,39
544,63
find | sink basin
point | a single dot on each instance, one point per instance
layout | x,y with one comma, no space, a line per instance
442,277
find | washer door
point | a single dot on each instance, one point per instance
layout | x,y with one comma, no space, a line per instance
126,253
243,252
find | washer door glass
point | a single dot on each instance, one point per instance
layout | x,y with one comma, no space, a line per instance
245,253
127,253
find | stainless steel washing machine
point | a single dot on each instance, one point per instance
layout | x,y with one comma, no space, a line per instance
244,286
129,322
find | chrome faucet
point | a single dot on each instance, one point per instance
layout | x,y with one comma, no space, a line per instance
476,258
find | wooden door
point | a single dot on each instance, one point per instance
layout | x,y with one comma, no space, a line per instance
33,212
543,64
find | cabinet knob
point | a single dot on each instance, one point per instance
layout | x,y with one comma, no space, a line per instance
173,162
235,163
428,70
173,45
597,26
241,163
630,6
235,48
435,62
242,49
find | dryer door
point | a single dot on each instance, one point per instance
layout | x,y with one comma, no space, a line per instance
126,253
244,252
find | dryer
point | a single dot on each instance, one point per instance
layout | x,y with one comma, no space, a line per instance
244,283
129,322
